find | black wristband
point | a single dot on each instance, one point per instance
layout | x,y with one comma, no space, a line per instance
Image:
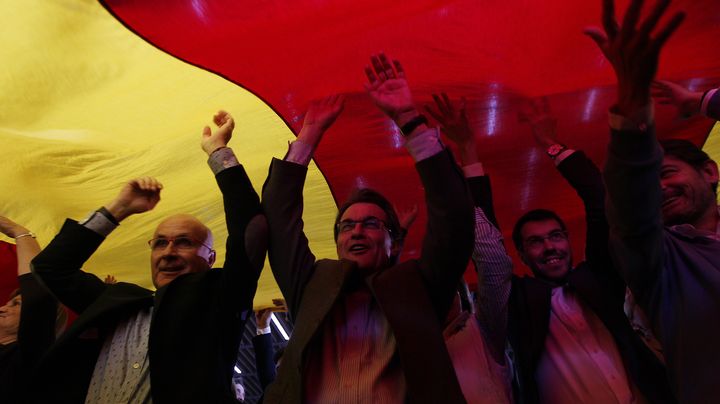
412,124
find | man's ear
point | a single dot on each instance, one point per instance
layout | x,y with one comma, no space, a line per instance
710,172
211,258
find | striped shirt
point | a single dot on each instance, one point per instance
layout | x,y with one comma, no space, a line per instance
354,359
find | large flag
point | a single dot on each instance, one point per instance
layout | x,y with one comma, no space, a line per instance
96,93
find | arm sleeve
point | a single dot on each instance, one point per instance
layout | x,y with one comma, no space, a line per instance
494,268
448,240
710,105
632,176
58,266
585,178
290,257
37,320
243,218
264,364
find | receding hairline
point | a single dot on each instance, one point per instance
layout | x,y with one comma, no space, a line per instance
194,221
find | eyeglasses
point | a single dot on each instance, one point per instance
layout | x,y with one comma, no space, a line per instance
537,241
369,223
181,243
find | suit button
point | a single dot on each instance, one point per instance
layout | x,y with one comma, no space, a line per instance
136,365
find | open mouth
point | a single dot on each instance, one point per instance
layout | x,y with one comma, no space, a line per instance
171,269
358,249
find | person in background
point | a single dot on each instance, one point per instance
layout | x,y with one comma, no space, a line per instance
29,321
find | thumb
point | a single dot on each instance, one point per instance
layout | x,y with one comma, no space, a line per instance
597,35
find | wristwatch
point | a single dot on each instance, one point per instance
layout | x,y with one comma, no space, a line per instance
555,149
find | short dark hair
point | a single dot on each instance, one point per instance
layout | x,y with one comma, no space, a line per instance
687,152
535,215
367,195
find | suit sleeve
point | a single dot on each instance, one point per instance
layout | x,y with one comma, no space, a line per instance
264,363
37,320
711,104
632,176
494,269
245,225
59,266
448,240
585,178
289,253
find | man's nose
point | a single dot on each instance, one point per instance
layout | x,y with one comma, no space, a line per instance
358,228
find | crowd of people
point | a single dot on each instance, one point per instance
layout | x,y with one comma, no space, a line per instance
632,322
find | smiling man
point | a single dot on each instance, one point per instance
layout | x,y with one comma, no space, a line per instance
572,339
662,209
175,345
368,329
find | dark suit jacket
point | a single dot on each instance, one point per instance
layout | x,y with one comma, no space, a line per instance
312,287
36,333
264,361
596,282
197,320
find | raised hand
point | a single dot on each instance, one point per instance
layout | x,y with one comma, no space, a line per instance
453,120
218,139
321,114
687,103
632,51
455,125
543,123
137,196
407,217
262,318
10,228
110,279
388,88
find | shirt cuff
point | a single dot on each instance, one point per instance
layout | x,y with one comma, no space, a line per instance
706,101
222,159
299,153
562,156
473,170
263,331
99,223
641,120
424,144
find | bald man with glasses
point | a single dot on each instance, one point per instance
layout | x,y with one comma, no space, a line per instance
177,344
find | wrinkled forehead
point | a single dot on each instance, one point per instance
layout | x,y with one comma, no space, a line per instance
362,210
181,225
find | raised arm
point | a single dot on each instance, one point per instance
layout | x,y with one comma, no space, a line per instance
290,257
38,311
247,230
582,175
448,238
634,157
59,265
493,265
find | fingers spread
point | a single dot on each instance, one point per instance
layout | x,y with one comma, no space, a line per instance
668,29
630,21
609,22
652,20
